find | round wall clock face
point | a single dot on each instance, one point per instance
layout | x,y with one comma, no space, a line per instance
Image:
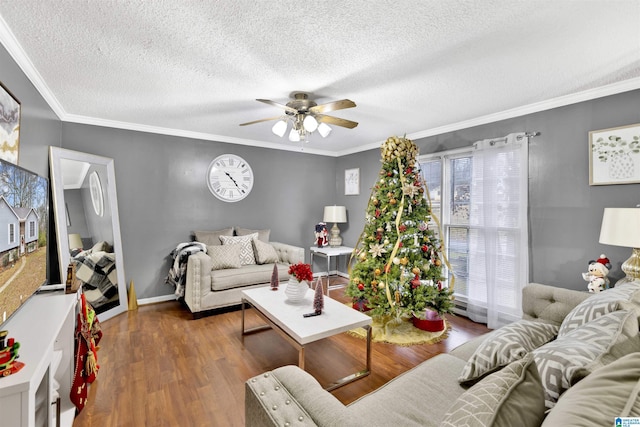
230,178
95,188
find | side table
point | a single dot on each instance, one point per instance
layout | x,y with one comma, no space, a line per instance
329,252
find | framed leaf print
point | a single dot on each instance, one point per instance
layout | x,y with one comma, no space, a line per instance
614,155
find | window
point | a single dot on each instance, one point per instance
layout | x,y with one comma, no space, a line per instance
453,213
480,197
12,233
32,229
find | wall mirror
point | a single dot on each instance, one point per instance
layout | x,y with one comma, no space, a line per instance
88,227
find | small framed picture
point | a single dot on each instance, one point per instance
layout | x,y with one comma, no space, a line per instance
352,182
9,125
614,155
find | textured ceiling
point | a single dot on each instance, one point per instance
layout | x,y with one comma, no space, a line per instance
415,67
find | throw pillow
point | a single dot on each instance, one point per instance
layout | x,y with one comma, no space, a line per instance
505,345
608,393
597,305
264,252
247,256
212,238
262,234
568,359
510,397
224,256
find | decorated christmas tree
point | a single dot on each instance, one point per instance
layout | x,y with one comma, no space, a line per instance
399,265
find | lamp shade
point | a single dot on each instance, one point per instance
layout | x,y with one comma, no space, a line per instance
310,124
75,241
294,136
279,128
621,227
335,214
324,129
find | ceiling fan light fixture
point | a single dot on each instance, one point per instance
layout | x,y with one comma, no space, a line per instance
310,124
279,128
324,130
294,136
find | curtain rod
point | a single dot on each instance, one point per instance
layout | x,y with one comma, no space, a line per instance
518,138
455,151
528,135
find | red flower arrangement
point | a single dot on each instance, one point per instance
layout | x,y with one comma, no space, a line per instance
301,272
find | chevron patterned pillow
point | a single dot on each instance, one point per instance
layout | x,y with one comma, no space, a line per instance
599,342
511,397
223,257
598,305
505,345
247,256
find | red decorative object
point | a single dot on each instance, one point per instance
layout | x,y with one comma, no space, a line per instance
430,325
88,335
8,355
301,271
361,305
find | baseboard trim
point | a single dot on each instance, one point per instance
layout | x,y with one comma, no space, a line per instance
154,300
172,297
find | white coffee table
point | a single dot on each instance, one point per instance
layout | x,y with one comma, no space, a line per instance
286,319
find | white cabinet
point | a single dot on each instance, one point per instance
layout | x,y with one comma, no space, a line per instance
44,327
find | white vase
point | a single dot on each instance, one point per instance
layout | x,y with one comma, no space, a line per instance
295,291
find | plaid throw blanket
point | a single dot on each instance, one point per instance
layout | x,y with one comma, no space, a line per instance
178,272
97,271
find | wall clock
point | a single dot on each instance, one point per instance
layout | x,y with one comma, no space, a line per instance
95,187
230,178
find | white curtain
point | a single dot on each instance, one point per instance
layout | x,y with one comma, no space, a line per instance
498,231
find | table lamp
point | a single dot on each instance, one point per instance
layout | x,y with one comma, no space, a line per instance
75,242
335,214
621,227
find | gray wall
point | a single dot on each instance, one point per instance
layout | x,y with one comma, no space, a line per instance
39,128
75,209
163,197
565,212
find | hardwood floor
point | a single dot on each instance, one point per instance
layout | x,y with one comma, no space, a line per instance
158,367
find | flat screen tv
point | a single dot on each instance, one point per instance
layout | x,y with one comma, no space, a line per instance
24,226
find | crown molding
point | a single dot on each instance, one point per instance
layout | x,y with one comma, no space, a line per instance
587,95
74,118
11,44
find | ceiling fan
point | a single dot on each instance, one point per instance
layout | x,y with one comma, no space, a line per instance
306,116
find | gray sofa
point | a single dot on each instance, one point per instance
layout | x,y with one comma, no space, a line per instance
215,279
573,360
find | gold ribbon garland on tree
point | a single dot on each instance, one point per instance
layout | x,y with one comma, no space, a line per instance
396,246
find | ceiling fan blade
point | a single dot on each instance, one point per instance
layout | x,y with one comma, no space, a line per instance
275,104
336,121
333,106
261,120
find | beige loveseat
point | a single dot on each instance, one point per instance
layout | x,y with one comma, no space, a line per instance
236,259
574,355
